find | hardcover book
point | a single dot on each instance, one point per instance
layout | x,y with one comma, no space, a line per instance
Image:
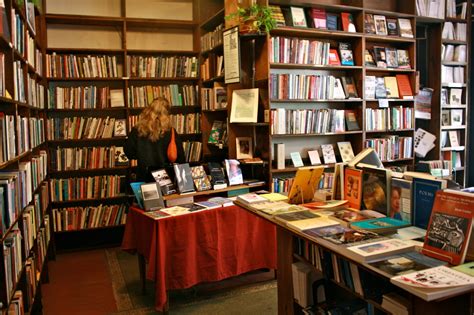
346,217
334,58
120,157
380,25
405,28
183,178
298,17
370,87
433,278
152,199
345,149
380,225
120,129
404,86
332,21
392,58
424,191
375,194
216,132
450,226
379,249
353,187
380,57
392,27
369,59
163,179
406,263
348,22
234,173
341,235
400,206
391,86
380,91
369,24
403,59
217,175
318,16
314,157
347,58
200,178
349,87
296,159
351,120
224,202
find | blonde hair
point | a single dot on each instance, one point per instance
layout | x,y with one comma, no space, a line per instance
154,120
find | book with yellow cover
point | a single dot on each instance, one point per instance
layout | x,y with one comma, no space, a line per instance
391,86
305,184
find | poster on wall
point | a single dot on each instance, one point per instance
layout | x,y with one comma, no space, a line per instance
231,55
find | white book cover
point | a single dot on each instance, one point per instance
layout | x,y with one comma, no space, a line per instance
379,249
380,25
453,138
455,97
298,16
176,210
370,87
311,223
296,159
436,278
345,149
423,142
314,157
456,117
251,198
116,98
328,153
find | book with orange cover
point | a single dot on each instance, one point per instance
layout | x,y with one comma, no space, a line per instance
450,226
334,58
404,86
353,187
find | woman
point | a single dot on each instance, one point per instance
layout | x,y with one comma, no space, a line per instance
149,140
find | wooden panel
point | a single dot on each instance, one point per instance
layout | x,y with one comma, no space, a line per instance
158,39
111,8
160,9
284,272
84,37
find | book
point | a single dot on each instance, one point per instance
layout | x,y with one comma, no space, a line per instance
391,86
116,98
347,58
380,225
349,87
296,159
176,210
4,24
457,117
311,223
376,250
328,154
435,278
380,25
216,131
351,120
304,184
334,58
234,173
208,204
136,188
467,268
391,57
400,206
200,178
380,90
244,147
277,14
193,207
274,197
370,87
348,22
347,216
375,189
380,57
367,156
152,199
392,27
405,28
405,263
453,138
183,178
403,59
120,129
314,157
298,17
369,24
224,202
332,21
450,227
404,86
217,175
424,191
345,149
369,59
120,158
296,216
342,235
251,198
162,178
279,155
455,96
353,187
318,16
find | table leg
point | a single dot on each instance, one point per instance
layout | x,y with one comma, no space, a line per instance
285,280
141,268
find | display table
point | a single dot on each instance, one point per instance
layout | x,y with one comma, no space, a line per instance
203,246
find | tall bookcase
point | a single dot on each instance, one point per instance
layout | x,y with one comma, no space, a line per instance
139,36
24,196
445,103
302,142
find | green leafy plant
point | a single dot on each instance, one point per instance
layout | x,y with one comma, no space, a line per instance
255,18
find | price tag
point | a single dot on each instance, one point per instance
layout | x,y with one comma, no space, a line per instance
383,103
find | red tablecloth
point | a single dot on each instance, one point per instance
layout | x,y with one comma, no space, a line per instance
204,246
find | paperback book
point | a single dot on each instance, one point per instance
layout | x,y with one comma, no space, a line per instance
183,178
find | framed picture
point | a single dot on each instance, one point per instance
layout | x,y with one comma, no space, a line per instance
244,147
231,55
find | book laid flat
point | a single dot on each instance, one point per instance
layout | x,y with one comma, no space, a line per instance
450,226
380,225
405,263
376,250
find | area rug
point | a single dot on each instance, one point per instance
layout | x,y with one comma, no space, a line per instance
253,293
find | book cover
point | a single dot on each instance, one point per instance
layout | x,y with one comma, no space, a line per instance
391,57
163,179
274,197
234,173
305,184
208,204
392,27
391,86
116,98
277,14
404,86
200,178
279,154
400,207
311,223
216,132
370,87
403,59
380,225
318,16
340,235
424,192
380,25
369,24
366,156
375,189
345,149
328,154
120,158
351,121
314,157
225,202
152,199
334,58
346,216
296,159
433,278
332,21
296,216
137,191
369,58
298,17
406,263
349,87
183,178
380,91
450,226
348,22
120,129
251,198
353,187
193,207
378,249
176,210
347,58
405,28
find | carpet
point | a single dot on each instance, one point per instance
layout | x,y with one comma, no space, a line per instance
252,293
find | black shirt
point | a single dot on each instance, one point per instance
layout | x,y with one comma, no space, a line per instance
151,155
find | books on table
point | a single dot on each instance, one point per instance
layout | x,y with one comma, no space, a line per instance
163,179
183,178
376,250
152,199
380,225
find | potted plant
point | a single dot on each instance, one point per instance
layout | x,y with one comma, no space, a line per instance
254,19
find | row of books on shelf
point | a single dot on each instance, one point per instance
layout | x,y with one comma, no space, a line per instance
79,218
387,26
387,57
289,86
162,66
177,95
212,66
312,121
452,117
84,97
192,151
388,87
34,55
186,123
435,9
455,9
68,159
452,96
456,31
85,128
393,118
35,89
19,93
454,75
451,139
73,66
212,39
35,93
214,98
18,32
92,187
391,148
454,53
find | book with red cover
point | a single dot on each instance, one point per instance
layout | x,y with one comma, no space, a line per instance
353,187
450,227
347,22
404,86
318,17
334,58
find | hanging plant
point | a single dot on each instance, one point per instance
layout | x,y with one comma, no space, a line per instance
254,19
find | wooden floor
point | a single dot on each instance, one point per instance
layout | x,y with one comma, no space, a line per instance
79,283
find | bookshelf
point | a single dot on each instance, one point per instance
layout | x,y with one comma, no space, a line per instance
24,192
105,63
285,103
450,113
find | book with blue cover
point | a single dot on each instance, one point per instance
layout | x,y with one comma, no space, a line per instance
424,191
137,191
380,225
